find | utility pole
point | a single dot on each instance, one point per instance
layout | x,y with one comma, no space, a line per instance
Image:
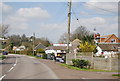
33,43
1,35
69,20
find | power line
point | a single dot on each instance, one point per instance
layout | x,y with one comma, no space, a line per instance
75,16
112,13
102,9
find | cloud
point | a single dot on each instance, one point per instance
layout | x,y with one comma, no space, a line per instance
21,18
33,13
54,31
103,25
102,7
5,8
103,1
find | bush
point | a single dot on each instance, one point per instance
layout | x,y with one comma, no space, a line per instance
44,56
40,50
80,63
75,62
83,63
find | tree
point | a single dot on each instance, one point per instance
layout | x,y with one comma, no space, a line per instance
80,33
3,30
24,38
16,39
45,41
63,38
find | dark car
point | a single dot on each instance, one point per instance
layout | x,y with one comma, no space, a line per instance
5,53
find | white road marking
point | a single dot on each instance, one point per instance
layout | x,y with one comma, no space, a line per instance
14,65
2,77
9,69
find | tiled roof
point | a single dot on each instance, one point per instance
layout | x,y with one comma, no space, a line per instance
109,47
40,46
105,38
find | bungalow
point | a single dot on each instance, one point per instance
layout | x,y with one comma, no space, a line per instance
60,49
107,49
40,46
57,49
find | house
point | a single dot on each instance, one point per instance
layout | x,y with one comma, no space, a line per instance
109,39
40,46
20,48
57,49
60,49
108,45
75,43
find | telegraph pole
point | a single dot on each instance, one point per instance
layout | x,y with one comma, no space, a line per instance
69,20
33,43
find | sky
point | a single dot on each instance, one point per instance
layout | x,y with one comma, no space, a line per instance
49,19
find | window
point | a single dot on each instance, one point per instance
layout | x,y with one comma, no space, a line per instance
113,40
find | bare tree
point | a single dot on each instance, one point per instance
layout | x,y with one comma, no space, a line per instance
80,33
63,38
3,30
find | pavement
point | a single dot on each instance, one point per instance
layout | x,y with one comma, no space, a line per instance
66,73
26,67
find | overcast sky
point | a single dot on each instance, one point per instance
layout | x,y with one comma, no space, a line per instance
49,19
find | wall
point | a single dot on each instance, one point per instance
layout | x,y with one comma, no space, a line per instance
97,62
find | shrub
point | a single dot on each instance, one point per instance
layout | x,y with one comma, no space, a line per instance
87,47
40,50
83,63
75,62
44,56
80,63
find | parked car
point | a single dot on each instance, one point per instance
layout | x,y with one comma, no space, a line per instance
59,59
5,53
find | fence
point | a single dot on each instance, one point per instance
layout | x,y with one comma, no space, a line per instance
102,63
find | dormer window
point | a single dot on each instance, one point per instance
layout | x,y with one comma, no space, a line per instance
113,40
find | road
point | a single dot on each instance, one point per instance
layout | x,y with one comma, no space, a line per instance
26,67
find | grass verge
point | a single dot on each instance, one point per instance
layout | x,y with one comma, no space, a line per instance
116,75
84,69
2,57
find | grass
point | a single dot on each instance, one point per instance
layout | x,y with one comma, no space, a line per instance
84,69
116,75
2,57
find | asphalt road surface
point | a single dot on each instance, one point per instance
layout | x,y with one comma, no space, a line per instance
25,67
